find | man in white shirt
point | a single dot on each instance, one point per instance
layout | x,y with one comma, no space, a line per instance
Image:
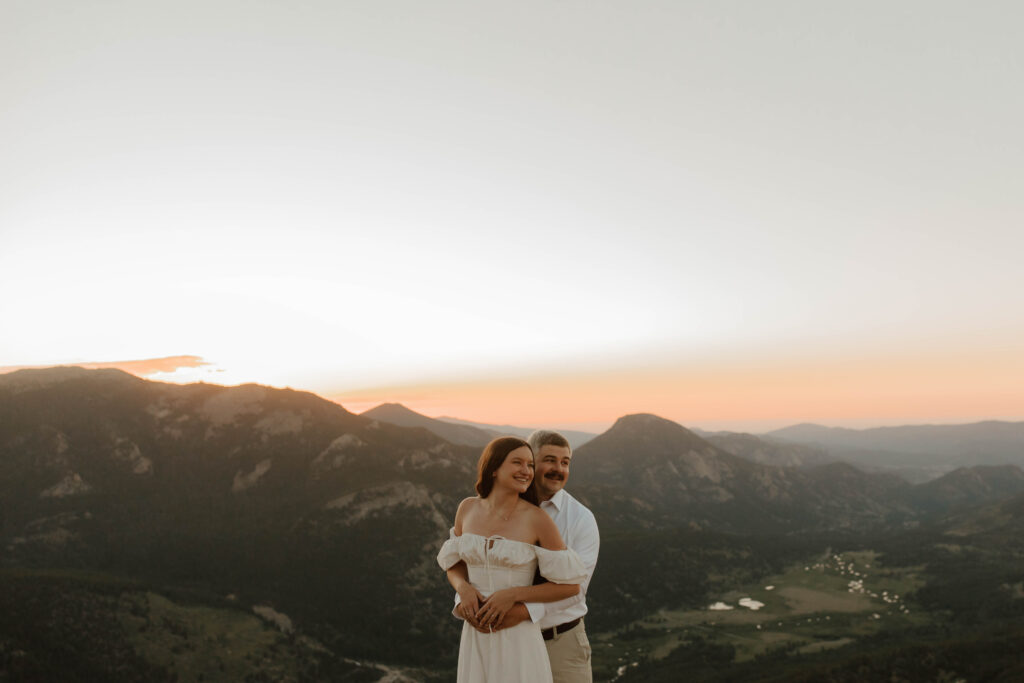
561,622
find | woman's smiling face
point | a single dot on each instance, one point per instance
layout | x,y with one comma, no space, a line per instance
517,470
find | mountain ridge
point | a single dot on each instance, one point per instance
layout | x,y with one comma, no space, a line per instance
920,452
662,469
398,414
575,437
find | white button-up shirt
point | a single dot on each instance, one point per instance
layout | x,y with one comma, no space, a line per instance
578,527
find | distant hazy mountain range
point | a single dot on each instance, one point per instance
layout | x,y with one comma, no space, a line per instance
397,414
461,431
576,438
648,471
283,499
919,452
767,451
916,453
680,470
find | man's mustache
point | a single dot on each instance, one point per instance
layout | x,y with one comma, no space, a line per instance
554,475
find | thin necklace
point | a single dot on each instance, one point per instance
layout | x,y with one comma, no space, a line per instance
506,517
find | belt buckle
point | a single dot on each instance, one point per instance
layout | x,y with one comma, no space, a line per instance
563,628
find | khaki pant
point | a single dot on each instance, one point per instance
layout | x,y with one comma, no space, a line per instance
569,653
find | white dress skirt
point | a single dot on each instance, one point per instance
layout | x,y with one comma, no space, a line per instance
517,654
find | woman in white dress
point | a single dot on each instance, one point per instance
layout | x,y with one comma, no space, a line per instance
499,539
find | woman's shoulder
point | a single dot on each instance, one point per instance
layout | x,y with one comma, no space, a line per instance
534,512
466,507
467,503
545,528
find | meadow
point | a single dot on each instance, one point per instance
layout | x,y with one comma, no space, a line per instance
822,604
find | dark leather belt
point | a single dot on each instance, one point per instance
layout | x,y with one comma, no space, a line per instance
550,633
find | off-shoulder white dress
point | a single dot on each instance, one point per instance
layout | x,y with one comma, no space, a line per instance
515,654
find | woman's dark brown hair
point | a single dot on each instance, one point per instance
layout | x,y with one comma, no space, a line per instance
492,458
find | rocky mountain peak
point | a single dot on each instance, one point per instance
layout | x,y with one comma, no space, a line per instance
30,379
385,409
644,421
647,452
652,435
398,414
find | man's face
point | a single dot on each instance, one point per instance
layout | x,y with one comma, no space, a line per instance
552,470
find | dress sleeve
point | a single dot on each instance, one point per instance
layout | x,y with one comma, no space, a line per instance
561,566
449,554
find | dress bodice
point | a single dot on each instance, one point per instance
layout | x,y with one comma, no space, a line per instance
495,562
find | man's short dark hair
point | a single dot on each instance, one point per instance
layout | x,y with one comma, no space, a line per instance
546,437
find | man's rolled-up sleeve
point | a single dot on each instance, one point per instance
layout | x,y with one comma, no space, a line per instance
536,610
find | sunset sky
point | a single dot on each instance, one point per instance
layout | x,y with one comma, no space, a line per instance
732,214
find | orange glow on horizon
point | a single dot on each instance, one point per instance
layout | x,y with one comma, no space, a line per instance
922,387
907,388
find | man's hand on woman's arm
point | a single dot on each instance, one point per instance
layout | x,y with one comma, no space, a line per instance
515,616
469,597
495,607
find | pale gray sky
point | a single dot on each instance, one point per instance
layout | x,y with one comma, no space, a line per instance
347,194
